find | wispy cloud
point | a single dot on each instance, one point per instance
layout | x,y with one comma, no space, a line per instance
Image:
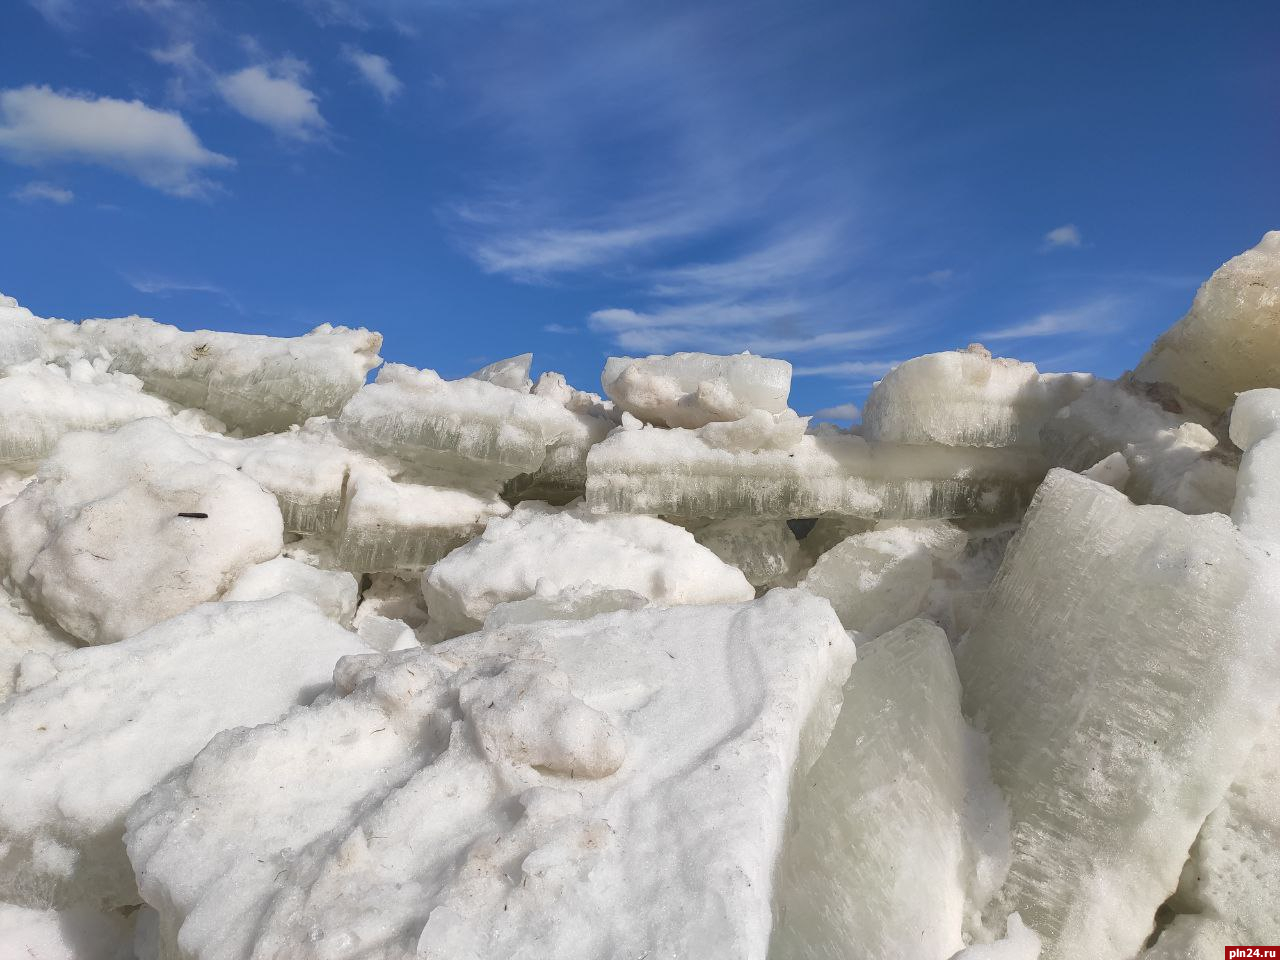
40,126
936,278
558,328
842,411
165,287
40,190
376,71
1065,236
1093,317
273,95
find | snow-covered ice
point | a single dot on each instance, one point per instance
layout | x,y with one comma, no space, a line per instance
558,549
76,934
694,389
124,529
614,787
91,730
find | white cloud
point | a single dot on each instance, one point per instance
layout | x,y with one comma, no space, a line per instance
59,13
843,411
40,126
273,95
558,328
1067,235
375,71
39,190
533,254
865,369
1092,317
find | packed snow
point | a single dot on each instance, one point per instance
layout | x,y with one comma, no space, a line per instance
295,663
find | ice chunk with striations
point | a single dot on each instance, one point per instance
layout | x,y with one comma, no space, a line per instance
966,398
897,830
77,934
766,551
693,389
92,730
568,548
254,383
512,373
614,787
335,592
127,528
1122,663
389,526
880,579
682,473
1229,341
40,402
452,430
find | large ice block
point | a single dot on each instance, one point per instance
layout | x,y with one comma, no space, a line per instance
966,398
1123,662
614,787
680,473
254,383
512,373
335,592
388,526
124,529
1229,341
92,730
41,402
562,549
897,831
693,389
453,431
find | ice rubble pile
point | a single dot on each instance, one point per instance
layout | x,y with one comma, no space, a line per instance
297,665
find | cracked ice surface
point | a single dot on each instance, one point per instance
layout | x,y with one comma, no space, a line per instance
90,731
1117,717
614,787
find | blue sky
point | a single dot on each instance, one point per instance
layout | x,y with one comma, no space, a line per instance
840,184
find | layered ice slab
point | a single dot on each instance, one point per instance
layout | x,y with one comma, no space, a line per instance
453,431
388,526
694,389
1255,429
882,578
897,830
615,787
124,529
966,398
693,473
92,730
39,403
766,551
1229,341
546,551
25,337
254,383
1123,663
